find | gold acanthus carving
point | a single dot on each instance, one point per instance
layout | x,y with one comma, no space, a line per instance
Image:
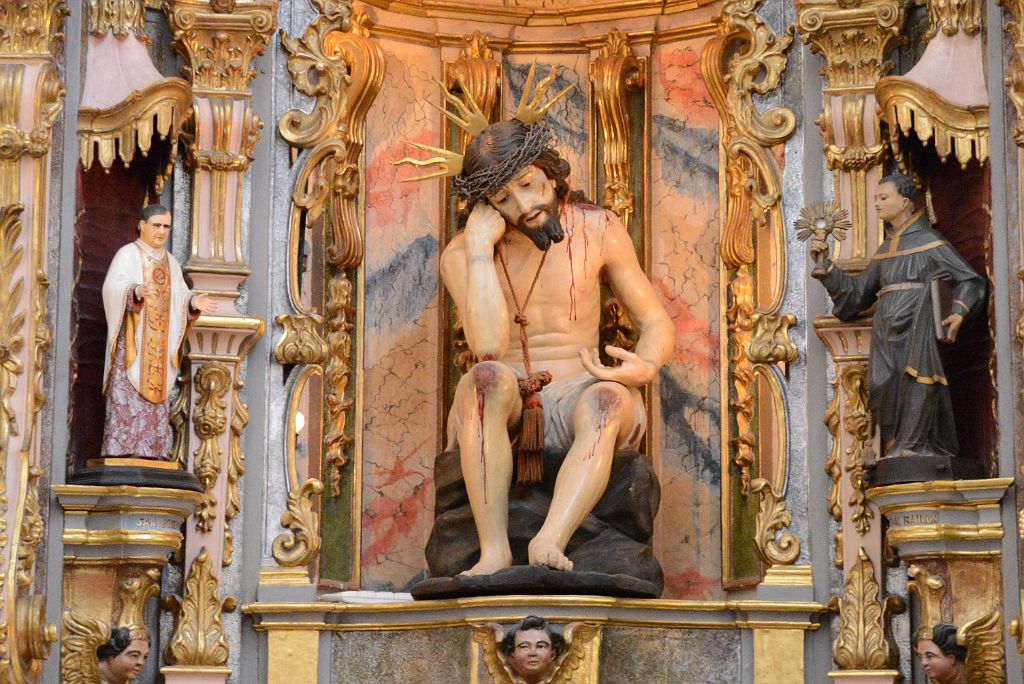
860,455
209,420
614,73
300,545
31,28
301,341
770,343
863,642
772,517
33,530
929,591
746,59
986,653
199,630
180,417
219,48
343,70
236,464
953,16
1014,79
833,468
479,72
570,667
120,17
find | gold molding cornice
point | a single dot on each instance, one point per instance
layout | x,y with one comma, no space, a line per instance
198,638
585,11
615,72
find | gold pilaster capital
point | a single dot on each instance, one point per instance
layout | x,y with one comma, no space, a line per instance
219,46
32,28
120,17
852,37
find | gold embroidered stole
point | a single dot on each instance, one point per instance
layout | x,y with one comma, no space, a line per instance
155,331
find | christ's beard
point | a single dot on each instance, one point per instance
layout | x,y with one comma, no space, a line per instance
549,232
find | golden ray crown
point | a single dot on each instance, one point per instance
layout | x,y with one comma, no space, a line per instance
468,116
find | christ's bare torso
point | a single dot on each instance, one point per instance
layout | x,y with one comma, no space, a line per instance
564,310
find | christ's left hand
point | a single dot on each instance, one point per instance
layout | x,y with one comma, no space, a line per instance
633,372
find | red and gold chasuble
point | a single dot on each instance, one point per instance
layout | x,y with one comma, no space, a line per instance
156,323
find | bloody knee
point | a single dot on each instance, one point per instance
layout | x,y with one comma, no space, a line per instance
493,379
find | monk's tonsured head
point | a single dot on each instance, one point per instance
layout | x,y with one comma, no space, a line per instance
155,225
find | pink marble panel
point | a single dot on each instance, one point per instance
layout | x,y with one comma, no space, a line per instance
684,269
399,355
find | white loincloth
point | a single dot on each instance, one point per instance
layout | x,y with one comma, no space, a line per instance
559,400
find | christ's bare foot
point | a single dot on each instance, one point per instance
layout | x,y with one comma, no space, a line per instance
544,552
490,563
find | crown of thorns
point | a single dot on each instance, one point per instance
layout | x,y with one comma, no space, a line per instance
469,117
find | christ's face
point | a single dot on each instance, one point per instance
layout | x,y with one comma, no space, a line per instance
529,203
533,654
936,665
155,231
889,203
127,666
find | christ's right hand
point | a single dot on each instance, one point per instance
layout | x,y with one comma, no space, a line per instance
484,227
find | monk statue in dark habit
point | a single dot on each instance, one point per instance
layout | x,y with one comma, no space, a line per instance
908,391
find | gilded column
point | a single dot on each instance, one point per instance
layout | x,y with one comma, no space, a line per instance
853,39
218,40
31,98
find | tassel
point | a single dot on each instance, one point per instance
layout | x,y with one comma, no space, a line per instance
530,451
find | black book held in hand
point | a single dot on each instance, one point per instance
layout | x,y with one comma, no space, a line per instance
942,307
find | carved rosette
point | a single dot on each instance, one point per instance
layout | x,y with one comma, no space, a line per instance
335,62
198,638
615,73
209,420
744,59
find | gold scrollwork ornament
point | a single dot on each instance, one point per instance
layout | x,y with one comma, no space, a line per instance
209,420
301,341
301,543
772,517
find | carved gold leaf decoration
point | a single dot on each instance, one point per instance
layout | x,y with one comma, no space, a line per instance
772,517
617,329
860,455
338,374
986,655
31,27
930,591
301,543
770,341
209,420
833,468
236,465
81,638
199,633
118,16
861,643
301,341
479,73
134,593
33,530
179,414
613,74
953,16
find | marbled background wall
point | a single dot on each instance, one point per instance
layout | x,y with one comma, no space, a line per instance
401,391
